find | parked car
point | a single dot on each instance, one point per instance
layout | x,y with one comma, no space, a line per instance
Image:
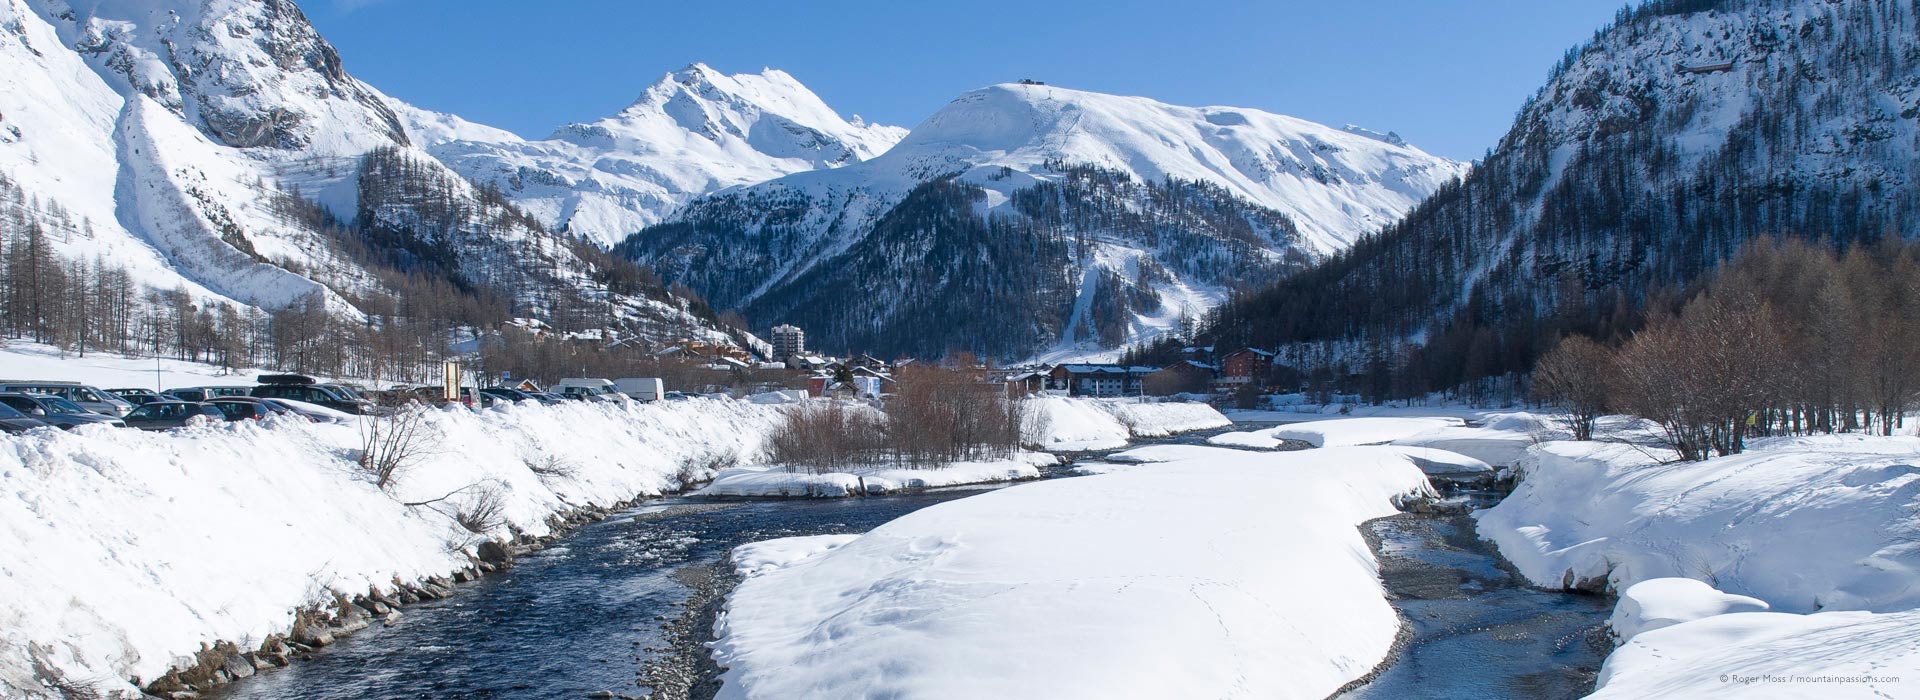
201,394
88,398
137,397
246,408
166,415
589,389
56,411
316,414
303,388
13,422
510,394
480,399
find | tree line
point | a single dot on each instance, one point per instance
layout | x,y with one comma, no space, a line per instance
1788,338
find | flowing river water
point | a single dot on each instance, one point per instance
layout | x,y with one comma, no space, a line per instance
626,602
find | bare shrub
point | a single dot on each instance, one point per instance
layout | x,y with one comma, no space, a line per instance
828,437
390,445
1702,374
1034,424
941,416
484,511
1573,377
553,466
699,468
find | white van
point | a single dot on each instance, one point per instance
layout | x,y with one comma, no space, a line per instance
641,389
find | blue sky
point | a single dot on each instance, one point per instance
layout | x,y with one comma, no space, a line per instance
1446,74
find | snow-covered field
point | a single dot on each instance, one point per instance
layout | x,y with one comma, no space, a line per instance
1224,574
1083,424
127,551
777,481
1819,530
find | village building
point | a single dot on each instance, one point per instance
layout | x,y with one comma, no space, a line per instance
788,341
1099,380
1241,368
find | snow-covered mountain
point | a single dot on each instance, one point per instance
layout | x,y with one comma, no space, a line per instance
693,132
1682,131
1133,213
183,140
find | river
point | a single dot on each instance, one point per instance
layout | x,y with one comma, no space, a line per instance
584,617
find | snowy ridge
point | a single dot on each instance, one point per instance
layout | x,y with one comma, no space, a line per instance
1268,194
177,140
694,131
130,550
1335,184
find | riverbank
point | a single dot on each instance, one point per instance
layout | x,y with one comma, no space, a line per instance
1462,606
1819,529
147,558
608,612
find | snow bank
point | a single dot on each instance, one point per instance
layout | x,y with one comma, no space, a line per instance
1838,655
777,481
1231,574
1252,439
1664,602
129,550
1359,431
1816,523
1501,440
1082,424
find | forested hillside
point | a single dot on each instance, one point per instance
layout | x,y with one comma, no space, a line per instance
1681,131
1076,258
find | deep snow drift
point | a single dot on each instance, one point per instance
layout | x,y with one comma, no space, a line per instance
1230,574
1822,525
1805,524
127,550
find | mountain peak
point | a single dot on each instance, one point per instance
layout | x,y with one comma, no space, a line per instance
693,131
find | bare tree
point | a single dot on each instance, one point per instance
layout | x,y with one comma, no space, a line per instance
1574,376
390,445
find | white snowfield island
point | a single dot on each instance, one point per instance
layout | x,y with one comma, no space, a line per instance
1227,574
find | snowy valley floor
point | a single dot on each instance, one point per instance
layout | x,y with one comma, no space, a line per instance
1226,574
1193,571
